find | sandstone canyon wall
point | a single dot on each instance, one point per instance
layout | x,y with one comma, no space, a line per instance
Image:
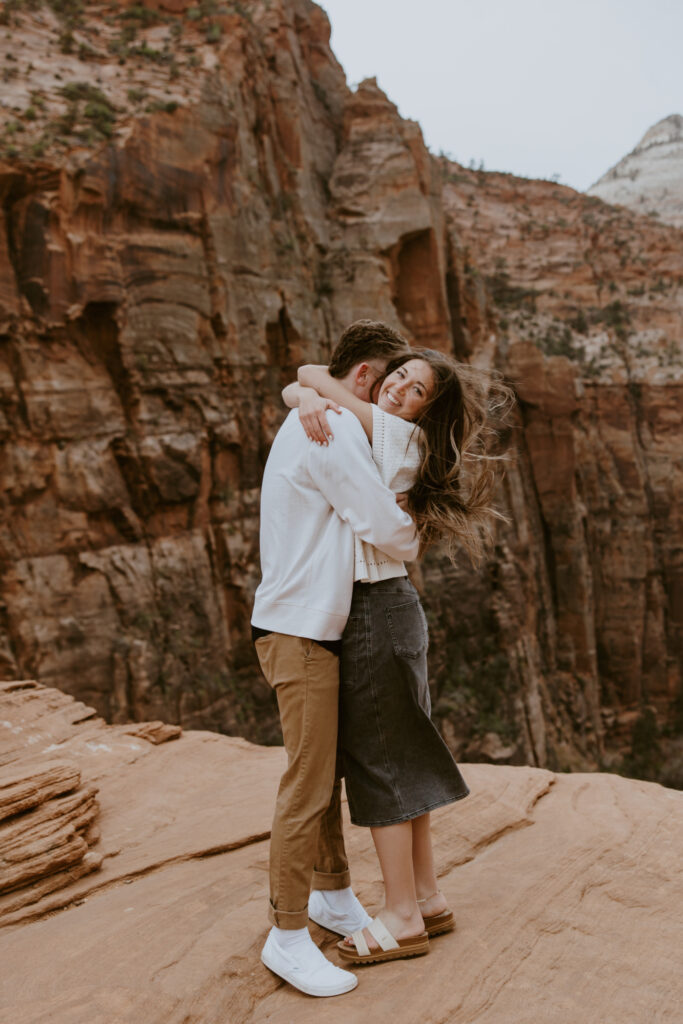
584,315
193,202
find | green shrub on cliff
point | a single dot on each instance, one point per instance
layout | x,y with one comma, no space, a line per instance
141,15
89,103
614,315
13,7
558,341
166,106
578,321
70,12
508,295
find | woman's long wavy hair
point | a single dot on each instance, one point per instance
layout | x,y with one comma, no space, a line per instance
461,423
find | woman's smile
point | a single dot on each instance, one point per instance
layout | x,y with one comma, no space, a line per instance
407,389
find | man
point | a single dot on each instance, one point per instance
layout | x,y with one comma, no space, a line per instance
314,499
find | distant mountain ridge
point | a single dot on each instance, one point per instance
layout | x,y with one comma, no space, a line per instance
650,178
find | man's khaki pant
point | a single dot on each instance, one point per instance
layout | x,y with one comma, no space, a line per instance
307,843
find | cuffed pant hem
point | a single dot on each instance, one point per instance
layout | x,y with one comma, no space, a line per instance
331,882
288,919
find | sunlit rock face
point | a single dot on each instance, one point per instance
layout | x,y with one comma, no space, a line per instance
194,204
650,178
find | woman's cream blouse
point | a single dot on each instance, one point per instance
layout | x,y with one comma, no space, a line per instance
395,450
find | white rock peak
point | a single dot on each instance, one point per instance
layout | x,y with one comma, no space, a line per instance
650,178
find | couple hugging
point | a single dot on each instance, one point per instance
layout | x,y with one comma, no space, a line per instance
342,638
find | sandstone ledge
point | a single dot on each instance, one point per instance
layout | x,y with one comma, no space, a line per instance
566,889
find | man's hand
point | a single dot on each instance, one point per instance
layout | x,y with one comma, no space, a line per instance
312,414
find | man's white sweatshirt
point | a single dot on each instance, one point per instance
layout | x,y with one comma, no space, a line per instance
313,500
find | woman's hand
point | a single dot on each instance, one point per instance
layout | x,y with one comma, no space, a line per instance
312,414
403,502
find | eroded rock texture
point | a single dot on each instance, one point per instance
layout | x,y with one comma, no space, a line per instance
48,814
51,749
583,313
48,819
174,243
566,890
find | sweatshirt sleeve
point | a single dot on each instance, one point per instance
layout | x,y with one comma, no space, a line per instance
348,478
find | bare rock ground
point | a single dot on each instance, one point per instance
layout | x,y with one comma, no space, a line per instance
567,890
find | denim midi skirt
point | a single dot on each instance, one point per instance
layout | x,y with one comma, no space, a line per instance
396,764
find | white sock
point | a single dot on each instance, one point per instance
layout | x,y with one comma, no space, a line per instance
341,901
288,938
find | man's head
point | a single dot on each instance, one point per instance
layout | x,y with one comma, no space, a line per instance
362,353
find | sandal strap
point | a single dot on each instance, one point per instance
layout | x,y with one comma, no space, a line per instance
359,942
431,896
382,935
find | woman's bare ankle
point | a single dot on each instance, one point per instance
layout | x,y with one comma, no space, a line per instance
402,919
434,903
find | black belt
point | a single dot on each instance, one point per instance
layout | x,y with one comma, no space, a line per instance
333,646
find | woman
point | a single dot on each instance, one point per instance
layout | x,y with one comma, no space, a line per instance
430,437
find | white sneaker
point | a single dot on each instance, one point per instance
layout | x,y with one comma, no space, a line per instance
307,969
352,920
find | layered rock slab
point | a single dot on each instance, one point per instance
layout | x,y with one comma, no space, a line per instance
565,888
46,845
139,786
48,814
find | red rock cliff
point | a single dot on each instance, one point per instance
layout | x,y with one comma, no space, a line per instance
580,304
193,202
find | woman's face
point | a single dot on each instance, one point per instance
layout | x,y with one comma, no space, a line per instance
406,390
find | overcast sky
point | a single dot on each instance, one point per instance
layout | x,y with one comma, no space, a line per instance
536,87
